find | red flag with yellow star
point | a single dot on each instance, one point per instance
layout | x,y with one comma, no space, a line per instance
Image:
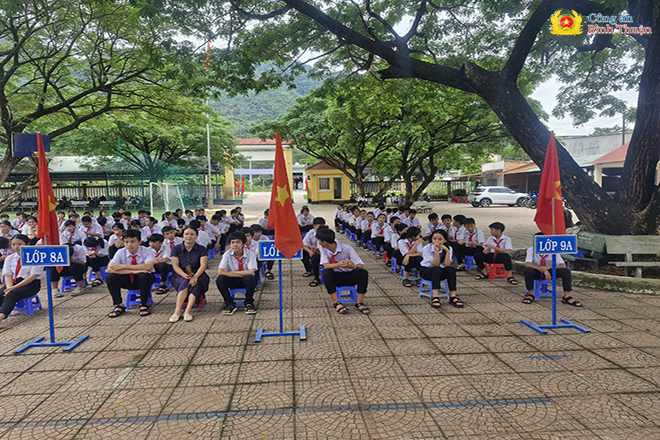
47,227
281,217
549,193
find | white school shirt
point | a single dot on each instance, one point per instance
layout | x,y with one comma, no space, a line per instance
230,261
430,229
310,239
452,232
6,252
94,229
29,230
377,230
203,238
170,244
541,259
9,269
101,251
187,219
304,219
211,229
376,212
353,220
504,243
79,253
412,223
341,253
263,222
405,245
366,224
61,227
148,232
394,240
67,237
338,212
126,224
108,225
172,223
144,256
17,224
12,233
428,255
254,247
164,252
475,237
389,232
359,221
460,233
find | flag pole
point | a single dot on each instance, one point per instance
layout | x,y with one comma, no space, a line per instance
208,153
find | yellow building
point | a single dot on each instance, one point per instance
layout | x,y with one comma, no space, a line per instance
327,184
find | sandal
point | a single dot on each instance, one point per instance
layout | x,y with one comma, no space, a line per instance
341,309
482,276
512,280
456,302
528,299
96,282
461,268
161,290
362,308
270,276
435,302
250,309
407,283
117,311
314,283
144,311
307,274
574,303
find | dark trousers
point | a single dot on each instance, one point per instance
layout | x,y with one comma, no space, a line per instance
141,281
337,222
366,235
332,279
388,248
248,282
223,243
307,228
532,274
112,250
458,250
97,263
481,260
358,234
77,271
437,274
413,262
164,270
311,263
8,301
378,242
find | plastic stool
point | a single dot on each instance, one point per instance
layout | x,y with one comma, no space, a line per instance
68,283
542,288
92,275
347,294
428,293
394,265
495,270
133,299
238,301
321,274
412,272
28,305
384,256
210,254
468,260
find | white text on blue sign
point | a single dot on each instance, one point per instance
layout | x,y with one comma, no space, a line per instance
45,255
555,244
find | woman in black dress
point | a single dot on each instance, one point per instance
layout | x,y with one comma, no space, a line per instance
189,262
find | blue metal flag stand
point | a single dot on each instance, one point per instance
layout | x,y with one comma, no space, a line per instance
554,244
268,251
40,256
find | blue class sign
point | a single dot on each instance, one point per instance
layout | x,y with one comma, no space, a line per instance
45,255
268,251
555,244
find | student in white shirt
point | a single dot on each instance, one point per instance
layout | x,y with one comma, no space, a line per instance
162,262
390,232
471,241
358,225
338,211
21,282
258,236
91,229
151,227
412,221
203,238
130,268
433,225
171,239
219,229
169,220
378,232
77,269
30,230
6,230
20,221
305,220
71,234
263,222
436,266
188,217
410,253
447,224
5,244
116,241
342,267
497,250
539,267
237,270
312,254
97,251
354,219
205,226
106,225
366,229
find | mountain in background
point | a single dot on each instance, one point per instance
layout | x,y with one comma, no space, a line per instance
247,111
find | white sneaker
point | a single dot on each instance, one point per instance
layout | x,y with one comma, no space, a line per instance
77,291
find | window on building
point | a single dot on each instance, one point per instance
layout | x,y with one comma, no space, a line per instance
324,184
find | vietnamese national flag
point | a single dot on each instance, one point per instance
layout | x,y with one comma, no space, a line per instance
281,217
47,228
549,193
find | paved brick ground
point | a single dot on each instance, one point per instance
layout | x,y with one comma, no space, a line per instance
406,371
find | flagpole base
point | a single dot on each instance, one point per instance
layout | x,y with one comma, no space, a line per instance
301,332
68,346
542,328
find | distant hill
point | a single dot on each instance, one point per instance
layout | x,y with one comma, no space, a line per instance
247,111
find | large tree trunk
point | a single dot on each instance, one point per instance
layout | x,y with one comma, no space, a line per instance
17,192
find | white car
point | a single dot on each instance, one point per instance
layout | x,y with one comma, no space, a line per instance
495,195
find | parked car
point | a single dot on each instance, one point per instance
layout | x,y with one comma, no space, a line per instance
495,195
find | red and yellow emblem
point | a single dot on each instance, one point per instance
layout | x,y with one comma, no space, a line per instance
566,24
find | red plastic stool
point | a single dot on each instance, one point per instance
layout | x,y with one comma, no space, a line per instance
495,270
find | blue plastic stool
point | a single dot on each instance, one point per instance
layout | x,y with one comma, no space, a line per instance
468,260
157,282
133,299
238,301
321,274
92,275
210,254
412,272
28,305
542,288
428,293
394,265
68,283
347,294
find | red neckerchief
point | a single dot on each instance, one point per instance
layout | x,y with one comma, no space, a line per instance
18,268
543,257
497,244
240,261
471,235
133,263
